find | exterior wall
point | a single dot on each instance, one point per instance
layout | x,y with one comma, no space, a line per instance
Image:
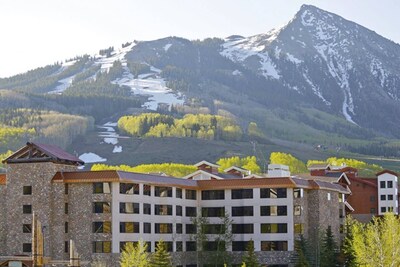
303,217
37,175
385,205
2,220
364,200
323,211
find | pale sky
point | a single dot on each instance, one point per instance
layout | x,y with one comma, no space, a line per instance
40,32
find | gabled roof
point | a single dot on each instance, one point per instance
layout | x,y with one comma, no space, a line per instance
242,170
3,179
203,162
318,166
212,175
387,171
35,152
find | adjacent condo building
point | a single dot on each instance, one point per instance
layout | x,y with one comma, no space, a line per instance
103,210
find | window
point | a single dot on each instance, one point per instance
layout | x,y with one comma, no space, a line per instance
239,245
66,246
329,196
101,207
383,184
101,227
129,189
146,208
242,193
178,193
178,210
66,208
298,228
383,209
179,246
273,210
102,247
162,209
390,184
372,211
163,191
27,209
190,228
190,194
213,228
129,208
297,193
390,197
163,228
383,197
390,209
27,190
146,190
179,228
147,228
273,192
244,228
213,246
27,228
168,245
66,227
191,211
190,246
101,188
213,212
129,227
297,210
273,228
372,198
26,247
242,211
274,246
212,194
66,189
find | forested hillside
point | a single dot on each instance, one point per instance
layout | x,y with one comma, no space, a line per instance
203,126
18,126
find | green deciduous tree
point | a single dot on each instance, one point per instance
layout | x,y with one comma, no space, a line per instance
161,258
135,255
376,244
295,165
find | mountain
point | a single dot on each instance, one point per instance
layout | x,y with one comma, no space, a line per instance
318,80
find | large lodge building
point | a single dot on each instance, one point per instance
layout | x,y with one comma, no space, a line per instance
102,210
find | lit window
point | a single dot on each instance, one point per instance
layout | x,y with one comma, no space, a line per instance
297,210
298,228
101,188
129,227
101,207
102,227
102,247
129,189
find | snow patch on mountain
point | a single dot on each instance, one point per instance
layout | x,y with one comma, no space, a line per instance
153,86
64,84
119,55
378,71
91,157
316,90
291,58
166,47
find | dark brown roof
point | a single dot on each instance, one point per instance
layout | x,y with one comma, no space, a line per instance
387,171
35,152
3,179
368,181
122,176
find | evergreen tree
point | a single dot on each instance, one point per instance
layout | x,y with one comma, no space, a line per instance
161,258
302,257
328,250
250,258
135,255
348,253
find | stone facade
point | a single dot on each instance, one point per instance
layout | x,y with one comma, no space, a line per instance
38,176
2,220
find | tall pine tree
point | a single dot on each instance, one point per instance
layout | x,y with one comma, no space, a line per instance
329,250
250,258
161,258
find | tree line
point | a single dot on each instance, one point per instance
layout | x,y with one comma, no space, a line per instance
202,126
